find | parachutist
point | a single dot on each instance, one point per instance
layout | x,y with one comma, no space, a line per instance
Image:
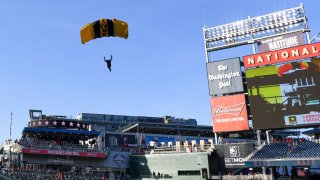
108,61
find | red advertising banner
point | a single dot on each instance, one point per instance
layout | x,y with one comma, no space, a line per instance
63,153
283,55
229,113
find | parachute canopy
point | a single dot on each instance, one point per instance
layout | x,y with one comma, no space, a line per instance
104,28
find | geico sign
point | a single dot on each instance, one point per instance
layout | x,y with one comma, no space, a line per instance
289,54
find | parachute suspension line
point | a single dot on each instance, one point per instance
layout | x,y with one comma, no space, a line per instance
102,47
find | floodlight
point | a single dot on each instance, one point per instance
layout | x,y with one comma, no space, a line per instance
249,30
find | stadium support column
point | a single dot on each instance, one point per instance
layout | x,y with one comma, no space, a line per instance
139,137
21,160
259,144
259,137
254,48
308,37
306,25
268,137
216,138
10,156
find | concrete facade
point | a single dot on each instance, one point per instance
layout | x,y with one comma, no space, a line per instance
174,166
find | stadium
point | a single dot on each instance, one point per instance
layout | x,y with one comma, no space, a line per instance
259,103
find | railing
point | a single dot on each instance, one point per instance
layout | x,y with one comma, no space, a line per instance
48,175
174,149
254,152
248,177
62,147
177,149
181,149
3,177
166,176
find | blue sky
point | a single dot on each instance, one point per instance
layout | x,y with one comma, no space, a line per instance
159,70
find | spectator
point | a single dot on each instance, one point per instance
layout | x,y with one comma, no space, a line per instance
294,172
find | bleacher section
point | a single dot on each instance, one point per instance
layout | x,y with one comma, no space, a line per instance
297,150
307,149
271,151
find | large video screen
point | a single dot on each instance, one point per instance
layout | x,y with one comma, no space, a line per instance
119,140
285,95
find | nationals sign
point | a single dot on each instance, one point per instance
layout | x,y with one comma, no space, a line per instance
283,55
229,113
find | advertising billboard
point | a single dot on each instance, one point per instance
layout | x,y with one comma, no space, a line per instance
285,95
224,76
281,42
233,155
229,113
283,55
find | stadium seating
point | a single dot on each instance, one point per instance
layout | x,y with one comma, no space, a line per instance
307,149
271,151
33,174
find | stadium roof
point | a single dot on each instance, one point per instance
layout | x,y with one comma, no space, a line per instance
285,132
194,130
312,132
169,129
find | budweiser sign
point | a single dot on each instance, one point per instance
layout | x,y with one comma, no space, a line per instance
233,110
289,54
229,113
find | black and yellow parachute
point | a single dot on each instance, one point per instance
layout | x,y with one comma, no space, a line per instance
104,28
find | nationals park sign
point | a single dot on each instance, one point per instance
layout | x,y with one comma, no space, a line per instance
283,55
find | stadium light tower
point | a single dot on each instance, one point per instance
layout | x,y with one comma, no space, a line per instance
251,30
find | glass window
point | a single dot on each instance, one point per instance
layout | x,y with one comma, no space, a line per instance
310,81
189,173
